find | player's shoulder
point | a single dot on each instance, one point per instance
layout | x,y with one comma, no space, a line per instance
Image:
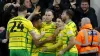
71,23
53,24
11,20
43,23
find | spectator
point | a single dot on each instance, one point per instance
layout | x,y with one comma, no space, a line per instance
3,46
10,10
73,3
30,5
34,2
44,4
12,1
27,3
1,30
78,2
57,11
55,2
2,2
59,6
65,4
86,11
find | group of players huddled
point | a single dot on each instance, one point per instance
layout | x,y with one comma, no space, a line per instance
36,36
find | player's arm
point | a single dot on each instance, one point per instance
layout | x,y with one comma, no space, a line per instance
41,35
36,40
30,28
56,32
7,35
53,47
59,43
34,36
53,37
70,44
30,17
8,31
50,38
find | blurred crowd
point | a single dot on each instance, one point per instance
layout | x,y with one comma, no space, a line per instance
9,9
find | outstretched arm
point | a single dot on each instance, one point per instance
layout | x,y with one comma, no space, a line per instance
36,11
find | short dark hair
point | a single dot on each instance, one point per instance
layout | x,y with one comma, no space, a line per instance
36,18
69,12
47,10
22,8
84,1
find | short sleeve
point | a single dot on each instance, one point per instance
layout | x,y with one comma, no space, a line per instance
29,25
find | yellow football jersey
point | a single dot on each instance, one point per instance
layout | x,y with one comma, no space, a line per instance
69,30
31,47
18,29
49,30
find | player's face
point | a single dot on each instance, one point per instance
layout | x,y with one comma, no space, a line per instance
43,18
63,16
48,16
59,22
39,23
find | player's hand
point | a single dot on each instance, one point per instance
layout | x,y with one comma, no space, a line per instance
43,33
4,41
44,49
58,30
61,28
49,39
60,53
36,10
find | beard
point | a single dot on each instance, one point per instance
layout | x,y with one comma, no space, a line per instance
85,10
64,19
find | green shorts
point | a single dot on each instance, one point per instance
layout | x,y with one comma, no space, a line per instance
70,54
19,52
47,54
